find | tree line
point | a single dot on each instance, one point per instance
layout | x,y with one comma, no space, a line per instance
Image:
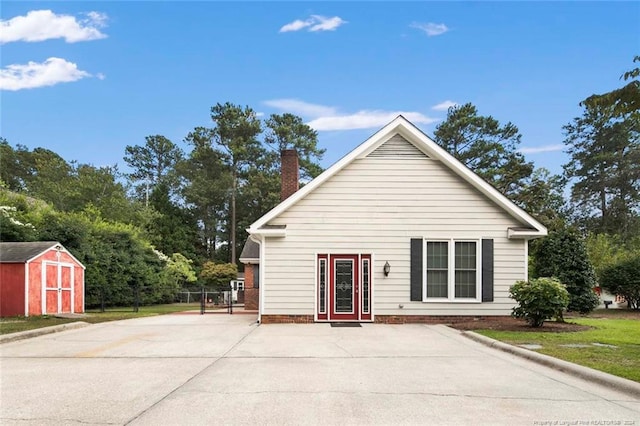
177,217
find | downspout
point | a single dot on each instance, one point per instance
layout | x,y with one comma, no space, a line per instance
262,269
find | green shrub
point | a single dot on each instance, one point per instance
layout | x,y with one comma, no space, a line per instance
623,278
539,299
218,275
563,255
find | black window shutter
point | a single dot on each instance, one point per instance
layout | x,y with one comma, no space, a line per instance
416,269
487,270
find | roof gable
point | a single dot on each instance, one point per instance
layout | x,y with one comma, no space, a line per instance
399,131
17,252
23,252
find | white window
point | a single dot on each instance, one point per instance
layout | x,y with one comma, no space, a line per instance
452,270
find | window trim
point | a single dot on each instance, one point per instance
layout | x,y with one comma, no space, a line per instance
451,262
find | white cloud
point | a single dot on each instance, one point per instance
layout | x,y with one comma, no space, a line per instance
366,119
444,106
325,118
314,23
540,149
40,25
432,29
326,24
295,25
34,74
298,107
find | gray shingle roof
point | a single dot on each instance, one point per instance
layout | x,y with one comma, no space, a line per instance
251,250
21,252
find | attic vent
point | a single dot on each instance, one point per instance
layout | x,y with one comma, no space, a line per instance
397,146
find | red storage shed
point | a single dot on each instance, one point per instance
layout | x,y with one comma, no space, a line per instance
39,278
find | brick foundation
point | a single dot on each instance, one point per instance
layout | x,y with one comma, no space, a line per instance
382,319
286,319
431,319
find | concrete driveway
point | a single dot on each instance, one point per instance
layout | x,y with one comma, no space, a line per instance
220,369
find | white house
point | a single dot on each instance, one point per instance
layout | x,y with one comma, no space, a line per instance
396,231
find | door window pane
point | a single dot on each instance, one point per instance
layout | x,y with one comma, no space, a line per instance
323,285
365,286
344,286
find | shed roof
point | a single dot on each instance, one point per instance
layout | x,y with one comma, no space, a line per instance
250,252
13,252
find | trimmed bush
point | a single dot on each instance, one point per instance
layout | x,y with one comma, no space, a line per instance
539,299
563,255
623,278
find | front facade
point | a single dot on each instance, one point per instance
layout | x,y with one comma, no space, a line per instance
396,231
39,278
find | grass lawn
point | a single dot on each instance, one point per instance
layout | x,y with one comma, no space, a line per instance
622,334
15,324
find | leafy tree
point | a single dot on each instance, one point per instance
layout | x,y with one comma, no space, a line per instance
236,132
218,275
205,186
288,131
99,188
48,177
542,196
539,299
563,255
623,101
604,144
606,250
623,278
259,194
72,230
18,222
13,225
172,229
486,147
153,163
180,270
13,171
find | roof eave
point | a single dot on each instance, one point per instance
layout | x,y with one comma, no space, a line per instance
275,233
530,234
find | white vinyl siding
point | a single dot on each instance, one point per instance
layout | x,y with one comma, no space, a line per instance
376,205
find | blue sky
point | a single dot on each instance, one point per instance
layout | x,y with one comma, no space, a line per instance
86,79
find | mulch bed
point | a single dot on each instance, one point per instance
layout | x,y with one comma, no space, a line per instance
513,324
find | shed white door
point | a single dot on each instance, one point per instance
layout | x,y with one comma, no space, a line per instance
58,288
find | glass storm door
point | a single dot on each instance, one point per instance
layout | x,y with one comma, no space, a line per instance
343,291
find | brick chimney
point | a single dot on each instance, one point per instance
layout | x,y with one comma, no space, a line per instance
289,173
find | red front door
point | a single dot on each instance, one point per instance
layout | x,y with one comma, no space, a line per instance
343,288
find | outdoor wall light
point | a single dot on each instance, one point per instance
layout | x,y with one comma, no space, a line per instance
386,269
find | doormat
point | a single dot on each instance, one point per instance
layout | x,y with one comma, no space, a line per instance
345,324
